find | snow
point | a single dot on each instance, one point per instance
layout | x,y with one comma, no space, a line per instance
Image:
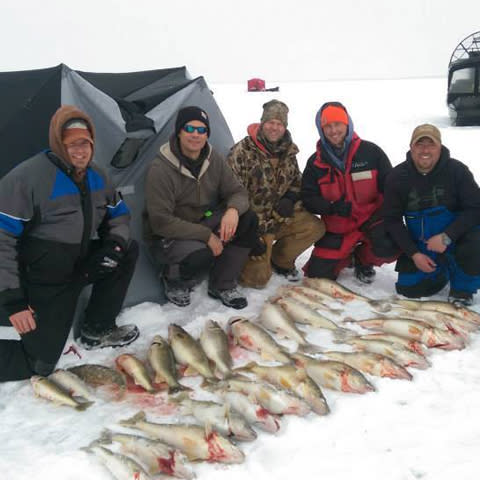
423,429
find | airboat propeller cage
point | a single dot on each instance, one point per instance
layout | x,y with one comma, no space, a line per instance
463,98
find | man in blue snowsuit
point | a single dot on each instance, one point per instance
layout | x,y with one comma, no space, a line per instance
440,202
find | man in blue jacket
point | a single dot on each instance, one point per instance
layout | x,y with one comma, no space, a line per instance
62,226
440,202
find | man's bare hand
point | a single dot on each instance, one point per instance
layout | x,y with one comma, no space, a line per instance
435,243
215,244
424,262
228,224
23,321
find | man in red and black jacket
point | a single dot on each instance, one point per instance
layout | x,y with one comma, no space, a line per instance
343,182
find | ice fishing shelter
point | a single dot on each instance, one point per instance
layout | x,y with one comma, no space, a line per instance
134,113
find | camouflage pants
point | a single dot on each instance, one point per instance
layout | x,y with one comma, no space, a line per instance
283,247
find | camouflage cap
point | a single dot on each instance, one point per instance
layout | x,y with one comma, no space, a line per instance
275,110
426,130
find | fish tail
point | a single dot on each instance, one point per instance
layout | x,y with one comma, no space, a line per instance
342,335
83,406
309,348
381,306
138,417
105,437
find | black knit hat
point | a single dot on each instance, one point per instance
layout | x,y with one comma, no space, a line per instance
187,114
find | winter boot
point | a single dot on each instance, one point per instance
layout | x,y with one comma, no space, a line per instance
460,299
230,297
365,273
112,337
291,274
177,292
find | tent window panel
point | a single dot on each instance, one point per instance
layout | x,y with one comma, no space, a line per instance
463,81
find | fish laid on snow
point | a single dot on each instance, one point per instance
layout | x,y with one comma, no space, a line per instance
154,454
339,292
416,330
303,314
276,401
188,352
401,355
273,318
222,418
72,383
162,360
443,307
99,375
307,296
131,365
253,337
294,380
194,441
44,388
372,363
334,375
214,342
120,466
405,342
253,412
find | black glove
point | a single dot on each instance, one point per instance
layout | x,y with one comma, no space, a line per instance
259,248
284,207
102,261
341,207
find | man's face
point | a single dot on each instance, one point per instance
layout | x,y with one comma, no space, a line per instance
425,154
79,154
191,144
273,130
335,133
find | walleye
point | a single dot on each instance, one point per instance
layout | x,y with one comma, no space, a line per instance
72,383
194,441
339,292
222,418
276,401
214,342
253,337
47,389
372,363
131,365
305,315
307,296
443,307
334,375
416,330
120,466
187,351
98,375
155,455
254,413
405,342
401,355
294,380
276,320
162,360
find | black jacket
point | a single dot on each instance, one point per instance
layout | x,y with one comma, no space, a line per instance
450,184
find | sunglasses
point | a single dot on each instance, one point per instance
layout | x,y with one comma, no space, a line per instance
191,129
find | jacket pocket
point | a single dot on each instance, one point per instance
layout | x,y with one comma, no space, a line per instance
365,186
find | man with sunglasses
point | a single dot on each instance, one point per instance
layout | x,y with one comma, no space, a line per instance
432,209
344,183
266,163
197,216
62,227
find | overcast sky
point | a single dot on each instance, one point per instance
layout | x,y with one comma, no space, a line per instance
230,41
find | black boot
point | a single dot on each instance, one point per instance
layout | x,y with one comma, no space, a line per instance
460,299
112,337
365,273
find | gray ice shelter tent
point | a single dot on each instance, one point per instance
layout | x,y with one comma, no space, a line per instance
134,113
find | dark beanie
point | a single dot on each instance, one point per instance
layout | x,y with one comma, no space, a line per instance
187,114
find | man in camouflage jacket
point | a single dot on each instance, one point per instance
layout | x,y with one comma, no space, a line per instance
266,163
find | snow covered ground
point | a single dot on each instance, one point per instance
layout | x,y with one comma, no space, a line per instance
423,429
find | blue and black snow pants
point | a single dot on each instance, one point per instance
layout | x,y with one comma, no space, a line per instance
459,264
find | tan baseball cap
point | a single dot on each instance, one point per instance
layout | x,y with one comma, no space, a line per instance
426,130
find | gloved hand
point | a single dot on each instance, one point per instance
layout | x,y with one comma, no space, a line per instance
102,261
257,253
284,207
341,207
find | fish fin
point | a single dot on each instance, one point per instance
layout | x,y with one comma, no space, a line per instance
342,335
105,437
83,406
178,389
348,320
138,417
309,348
381,306
247,366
